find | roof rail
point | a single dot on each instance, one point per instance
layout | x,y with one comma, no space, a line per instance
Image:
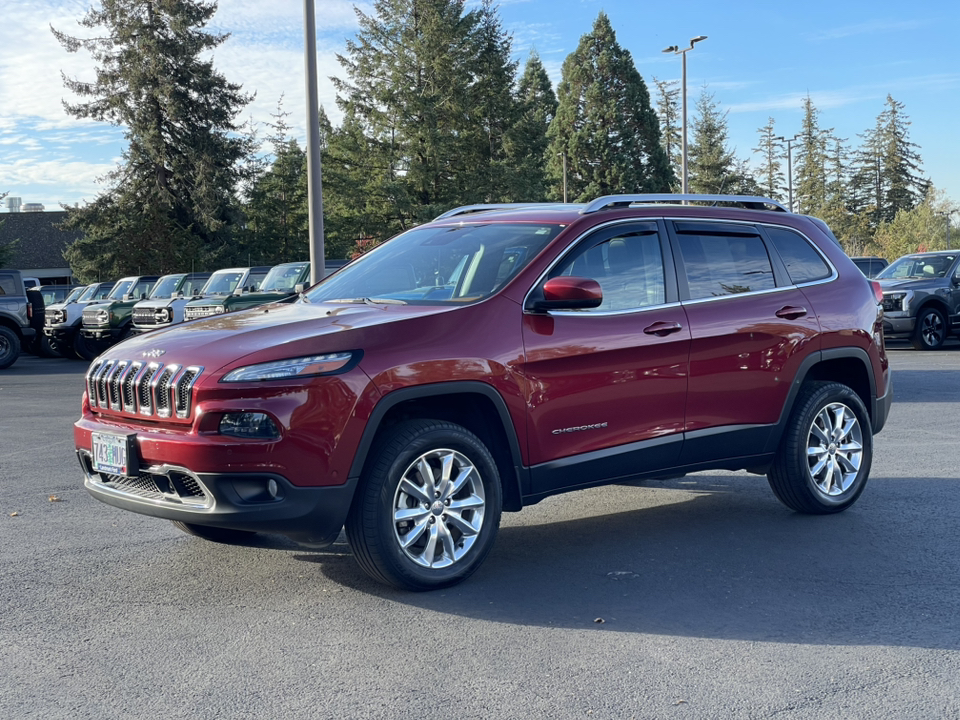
747,201
471,209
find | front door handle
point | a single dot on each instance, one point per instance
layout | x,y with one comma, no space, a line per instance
791,313
662,328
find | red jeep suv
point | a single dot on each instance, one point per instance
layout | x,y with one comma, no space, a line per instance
495,357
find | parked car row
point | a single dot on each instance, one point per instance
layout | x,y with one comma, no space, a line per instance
96,316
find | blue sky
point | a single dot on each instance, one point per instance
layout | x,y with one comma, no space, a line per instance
760,60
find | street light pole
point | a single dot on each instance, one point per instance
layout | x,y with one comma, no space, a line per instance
675,49
314,181
946,217
789,142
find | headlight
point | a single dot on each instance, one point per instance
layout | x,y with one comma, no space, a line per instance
295,367
218,309
895,301
164,315
103,317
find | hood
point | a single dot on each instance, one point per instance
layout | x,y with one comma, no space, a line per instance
155,303
274,332
893,284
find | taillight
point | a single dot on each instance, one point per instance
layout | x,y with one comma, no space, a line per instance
877,291
29,311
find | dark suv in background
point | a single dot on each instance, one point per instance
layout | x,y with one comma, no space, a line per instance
495,357
921,298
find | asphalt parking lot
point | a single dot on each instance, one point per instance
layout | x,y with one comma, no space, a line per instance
699,597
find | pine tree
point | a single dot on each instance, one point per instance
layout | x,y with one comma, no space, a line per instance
711,165
900,162
668,112
277,227
605,125
771,179
526,143
810,187
171,204
429,86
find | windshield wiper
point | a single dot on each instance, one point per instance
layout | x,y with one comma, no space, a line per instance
368,301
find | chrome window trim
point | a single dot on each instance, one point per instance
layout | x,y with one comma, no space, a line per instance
771,291
570,247
607,313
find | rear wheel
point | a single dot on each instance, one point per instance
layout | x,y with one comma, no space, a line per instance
930,331
9,347
428,508
45,348
824,458
226,536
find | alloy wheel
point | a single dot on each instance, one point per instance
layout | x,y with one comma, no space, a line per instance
834,449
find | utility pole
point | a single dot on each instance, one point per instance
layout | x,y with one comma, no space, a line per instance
789,142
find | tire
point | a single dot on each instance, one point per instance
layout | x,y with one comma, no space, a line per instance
9,347
45,348
83,348
820,468
930,331
428,506
226,536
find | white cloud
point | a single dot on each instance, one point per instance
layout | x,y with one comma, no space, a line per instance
870,27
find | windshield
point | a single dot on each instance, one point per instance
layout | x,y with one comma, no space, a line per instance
88,292
74,295
438,265
166,287
918,266
120,289
283,278
223,282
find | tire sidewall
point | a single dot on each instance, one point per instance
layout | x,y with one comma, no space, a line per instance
449,437
921,341
12,345
835,393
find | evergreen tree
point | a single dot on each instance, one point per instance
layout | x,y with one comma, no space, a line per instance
810,187
711,165
171,203
903,185
671,124
429,87
771,179
277,227
605,125
526,143
919,229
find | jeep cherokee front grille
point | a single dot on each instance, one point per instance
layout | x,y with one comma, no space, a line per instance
148,389
162,485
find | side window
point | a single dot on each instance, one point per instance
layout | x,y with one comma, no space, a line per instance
142,288
7,285
628,266
721,264
804,264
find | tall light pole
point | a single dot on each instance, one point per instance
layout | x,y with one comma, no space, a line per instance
675,49
314,182
789,142
946,217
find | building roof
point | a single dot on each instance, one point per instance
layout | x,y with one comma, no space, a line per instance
42,242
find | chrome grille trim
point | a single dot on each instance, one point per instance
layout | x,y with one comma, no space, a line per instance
144,393
147,389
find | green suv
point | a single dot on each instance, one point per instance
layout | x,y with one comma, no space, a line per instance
109,322
229,290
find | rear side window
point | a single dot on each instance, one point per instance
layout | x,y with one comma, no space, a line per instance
720,264
7,285
804,264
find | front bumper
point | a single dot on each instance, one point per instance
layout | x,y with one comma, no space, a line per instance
257,502
101,334
894,326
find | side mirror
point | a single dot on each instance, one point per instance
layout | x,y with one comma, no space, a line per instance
179,293
299,288
128,296
570,293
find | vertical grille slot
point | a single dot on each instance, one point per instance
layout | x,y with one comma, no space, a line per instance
103,390
113,384
128,387
162,386
144,396
92,382
184,391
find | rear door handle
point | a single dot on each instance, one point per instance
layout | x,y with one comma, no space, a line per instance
662,328
791,313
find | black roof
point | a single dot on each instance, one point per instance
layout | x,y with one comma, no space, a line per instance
42,242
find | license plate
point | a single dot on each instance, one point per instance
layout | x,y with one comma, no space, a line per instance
114,454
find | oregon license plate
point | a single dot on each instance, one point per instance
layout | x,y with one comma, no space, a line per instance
114,454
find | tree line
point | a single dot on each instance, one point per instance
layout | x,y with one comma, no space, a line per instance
435,114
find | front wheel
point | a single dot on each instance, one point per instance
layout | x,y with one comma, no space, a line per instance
9,347
824,458
83,347
931,330
428,507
